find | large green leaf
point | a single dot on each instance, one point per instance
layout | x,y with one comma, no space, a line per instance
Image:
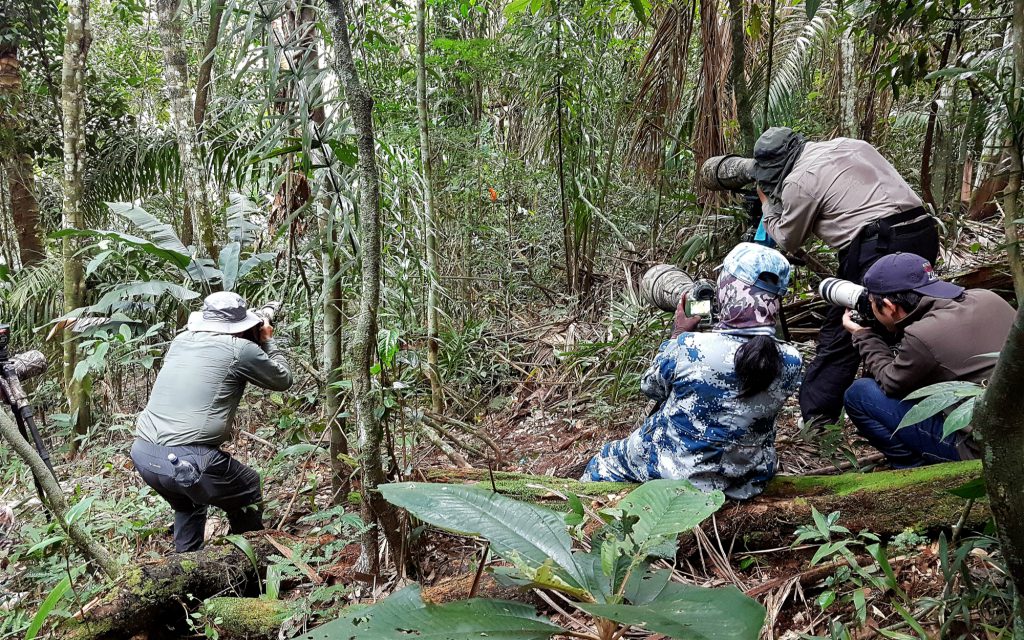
229,264
959,388
668,507
162,234
180,260
688,611
156,288
240,230
929,407
404,615
516,530
959,418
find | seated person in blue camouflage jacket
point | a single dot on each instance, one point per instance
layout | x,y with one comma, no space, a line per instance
719,391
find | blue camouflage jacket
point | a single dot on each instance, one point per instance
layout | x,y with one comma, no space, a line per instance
702,431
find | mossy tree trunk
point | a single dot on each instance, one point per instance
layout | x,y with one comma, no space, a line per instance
76,49
55,501
885,502
429,214
999,417
157,595
375,510
183,117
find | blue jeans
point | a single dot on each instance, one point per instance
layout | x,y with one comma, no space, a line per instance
876,417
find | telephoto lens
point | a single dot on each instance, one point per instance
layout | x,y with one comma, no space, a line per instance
726,173
843,293
663,285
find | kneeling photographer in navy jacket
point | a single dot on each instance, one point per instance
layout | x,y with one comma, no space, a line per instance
944,333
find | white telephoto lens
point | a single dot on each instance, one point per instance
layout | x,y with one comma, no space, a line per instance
841,293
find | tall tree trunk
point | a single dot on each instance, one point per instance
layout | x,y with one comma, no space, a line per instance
848,89
999,418
183,118
20,176
929,134
375,510
568,239
204,80
76,49
738,78
436,392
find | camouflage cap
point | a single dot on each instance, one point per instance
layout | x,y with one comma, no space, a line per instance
759,266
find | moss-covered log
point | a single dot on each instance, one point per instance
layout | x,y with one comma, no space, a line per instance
154,597
885,502
247,618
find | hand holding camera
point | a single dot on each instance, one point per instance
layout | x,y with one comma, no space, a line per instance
683,322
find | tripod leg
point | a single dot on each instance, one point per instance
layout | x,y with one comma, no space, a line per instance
22,427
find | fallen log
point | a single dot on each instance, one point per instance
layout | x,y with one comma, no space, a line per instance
153,598
247,618
885,502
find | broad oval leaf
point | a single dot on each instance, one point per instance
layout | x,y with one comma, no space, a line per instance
228,262
960,388
404,615
929,407
688,611
667,508
515,529
160,233
959,418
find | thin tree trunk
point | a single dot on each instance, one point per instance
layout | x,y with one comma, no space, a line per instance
738,78
204,80
567,234
929,134
183,118
848,90
76,49
333,364
436,391
1011,194
54,495
375,510
20,177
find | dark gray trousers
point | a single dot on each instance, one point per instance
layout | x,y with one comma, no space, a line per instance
223,482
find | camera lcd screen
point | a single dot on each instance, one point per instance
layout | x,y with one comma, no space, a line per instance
698,307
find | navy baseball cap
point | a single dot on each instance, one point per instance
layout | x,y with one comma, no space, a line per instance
908,272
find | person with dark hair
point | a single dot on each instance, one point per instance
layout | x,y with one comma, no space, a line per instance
945,333
844,192
190,414
718,392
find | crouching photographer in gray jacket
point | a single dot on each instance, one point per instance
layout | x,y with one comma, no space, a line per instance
190,413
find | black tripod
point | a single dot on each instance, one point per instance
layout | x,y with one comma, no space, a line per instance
13,394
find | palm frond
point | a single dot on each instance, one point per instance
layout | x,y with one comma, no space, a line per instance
662,84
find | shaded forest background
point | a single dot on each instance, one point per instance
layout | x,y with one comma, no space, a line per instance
548,160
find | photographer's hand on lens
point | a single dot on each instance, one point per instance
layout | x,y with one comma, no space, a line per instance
850,325
683,323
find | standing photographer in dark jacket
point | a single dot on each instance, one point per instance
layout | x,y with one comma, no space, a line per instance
191,410
847,194
945,333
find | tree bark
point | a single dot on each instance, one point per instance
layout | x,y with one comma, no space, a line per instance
423,113
204,80
76,49
20,176
55,501
333,364
999,417
929,134
738,78
375,510
183,117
